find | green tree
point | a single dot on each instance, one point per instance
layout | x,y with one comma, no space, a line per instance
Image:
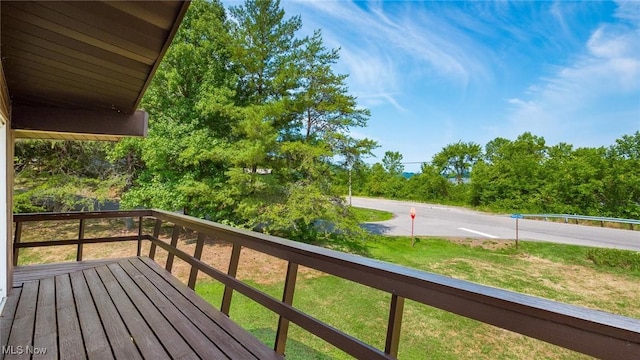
558,184
264,48
180,165
428,185
622,181
249,125
392,162
512,180
323,105
493,150
378,179
457,159
294,116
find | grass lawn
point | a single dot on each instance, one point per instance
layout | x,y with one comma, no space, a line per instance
371,215
558,272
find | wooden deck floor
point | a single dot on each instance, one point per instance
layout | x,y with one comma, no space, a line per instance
122,308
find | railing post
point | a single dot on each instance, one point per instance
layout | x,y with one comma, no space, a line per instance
233,270
156,233
174,243
80,238
197,254
139,250
395,323
287,298
16,240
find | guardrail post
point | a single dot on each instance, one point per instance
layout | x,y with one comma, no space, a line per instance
174,243
139,250
80,238
156,233
287,298
16,240
233,270
395,323
197,254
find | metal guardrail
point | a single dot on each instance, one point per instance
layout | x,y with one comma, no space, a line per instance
583,217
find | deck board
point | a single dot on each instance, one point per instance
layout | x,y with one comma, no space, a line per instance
93,333
131,327
45,333
127,308
71,345
196,339
249,342
213,331
8,314
24,320
22,274
173,342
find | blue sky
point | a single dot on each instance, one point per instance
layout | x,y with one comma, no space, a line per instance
433,73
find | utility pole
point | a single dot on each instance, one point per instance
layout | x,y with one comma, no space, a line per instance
350,186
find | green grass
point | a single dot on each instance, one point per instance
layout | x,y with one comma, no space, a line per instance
615,258
371,215
559,272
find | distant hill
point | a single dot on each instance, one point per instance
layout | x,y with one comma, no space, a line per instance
408,175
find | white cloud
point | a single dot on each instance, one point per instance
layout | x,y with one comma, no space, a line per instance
378,45
614,42
628,10
584,93
372,78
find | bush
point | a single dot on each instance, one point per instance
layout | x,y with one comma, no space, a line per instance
615,258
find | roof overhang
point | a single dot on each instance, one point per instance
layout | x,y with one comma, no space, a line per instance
79,69
40,122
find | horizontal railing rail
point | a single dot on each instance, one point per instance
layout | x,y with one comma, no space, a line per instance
19,219
77,215
592,332
601,219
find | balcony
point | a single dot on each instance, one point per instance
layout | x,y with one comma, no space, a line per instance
88,299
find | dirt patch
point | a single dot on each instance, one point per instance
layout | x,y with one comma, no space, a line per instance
253,265
489,244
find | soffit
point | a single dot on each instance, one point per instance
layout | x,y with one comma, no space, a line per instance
94,55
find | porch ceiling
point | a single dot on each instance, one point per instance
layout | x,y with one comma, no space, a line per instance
84,55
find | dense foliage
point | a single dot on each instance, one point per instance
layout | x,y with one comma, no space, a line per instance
521,175
65,175
248,122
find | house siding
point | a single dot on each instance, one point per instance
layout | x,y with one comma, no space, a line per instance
6,188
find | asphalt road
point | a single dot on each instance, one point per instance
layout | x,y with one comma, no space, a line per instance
439,220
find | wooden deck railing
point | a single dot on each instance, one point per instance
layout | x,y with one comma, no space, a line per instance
584,330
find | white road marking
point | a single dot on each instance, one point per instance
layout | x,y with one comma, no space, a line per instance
478,232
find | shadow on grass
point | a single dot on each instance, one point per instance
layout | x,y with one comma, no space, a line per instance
294,350
375,228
